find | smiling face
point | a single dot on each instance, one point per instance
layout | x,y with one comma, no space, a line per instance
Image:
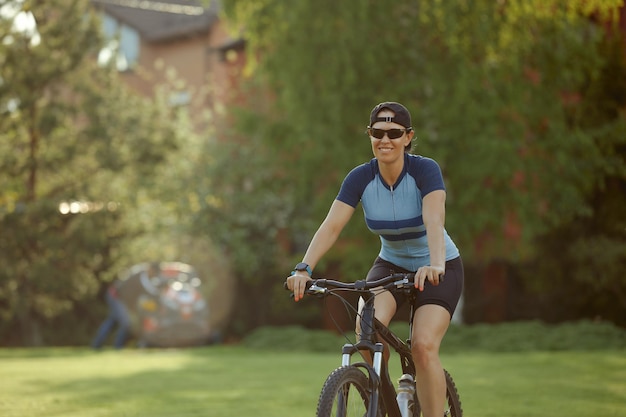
389,150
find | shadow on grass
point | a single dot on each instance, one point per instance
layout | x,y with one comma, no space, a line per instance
210,381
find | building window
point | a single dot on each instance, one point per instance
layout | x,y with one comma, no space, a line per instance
179,99
122,44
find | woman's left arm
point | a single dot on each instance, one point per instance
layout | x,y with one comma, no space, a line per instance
434,216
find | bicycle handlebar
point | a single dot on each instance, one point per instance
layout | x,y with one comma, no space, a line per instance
393,281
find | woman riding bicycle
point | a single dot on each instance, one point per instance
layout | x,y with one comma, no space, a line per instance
403,198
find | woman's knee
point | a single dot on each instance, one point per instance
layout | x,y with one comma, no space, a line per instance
425,351
425,345
429,331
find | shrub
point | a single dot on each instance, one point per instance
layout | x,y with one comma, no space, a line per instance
293,338
534,335
504,337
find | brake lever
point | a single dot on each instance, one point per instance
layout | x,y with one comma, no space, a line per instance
405,281
317,290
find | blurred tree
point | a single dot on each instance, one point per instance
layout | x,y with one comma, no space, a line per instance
588,253
499,93
76,151
247,213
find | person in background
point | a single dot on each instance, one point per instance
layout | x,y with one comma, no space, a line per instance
120,295
403,197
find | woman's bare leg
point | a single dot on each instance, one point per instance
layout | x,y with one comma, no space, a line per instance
429,326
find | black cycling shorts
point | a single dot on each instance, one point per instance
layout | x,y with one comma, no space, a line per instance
446,294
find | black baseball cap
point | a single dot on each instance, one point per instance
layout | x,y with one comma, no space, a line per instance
401,114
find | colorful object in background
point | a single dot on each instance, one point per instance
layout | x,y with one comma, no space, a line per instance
161,305
178,314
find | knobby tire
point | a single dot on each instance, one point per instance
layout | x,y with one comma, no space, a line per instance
453,401
345,394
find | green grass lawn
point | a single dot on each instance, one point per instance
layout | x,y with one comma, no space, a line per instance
225,381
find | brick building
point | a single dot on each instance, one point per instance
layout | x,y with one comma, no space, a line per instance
174,47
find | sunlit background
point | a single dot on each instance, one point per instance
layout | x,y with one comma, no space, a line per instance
217,134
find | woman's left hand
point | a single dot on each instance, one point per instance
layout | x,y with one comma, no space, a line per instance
431,273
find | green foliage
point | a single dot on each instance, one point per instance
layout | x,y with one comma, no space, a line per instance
521,103
588,253
289,338
242,206
533,336
506,337
69,133
485,85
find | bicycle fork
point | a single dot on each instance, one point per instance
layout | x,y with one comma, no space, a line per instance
378,376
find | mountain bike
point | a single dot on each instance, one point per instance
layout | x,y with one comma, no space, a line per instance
366,390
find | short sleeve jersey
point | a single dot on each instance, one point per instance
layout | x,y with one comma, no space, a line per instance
395,212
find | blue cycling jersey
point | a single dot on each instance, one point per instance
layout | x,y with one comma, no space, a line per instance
395,212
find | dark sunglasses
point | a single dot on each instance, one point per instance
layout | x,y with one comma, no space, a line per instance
391,133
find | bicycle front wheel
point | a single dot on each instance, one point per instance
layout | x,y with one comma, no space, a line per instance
345,394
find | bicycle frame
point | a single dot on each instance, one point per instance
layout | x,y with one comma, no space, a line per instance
381,384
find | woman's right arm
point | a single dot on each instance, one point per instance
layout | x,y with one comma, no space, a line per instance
328,232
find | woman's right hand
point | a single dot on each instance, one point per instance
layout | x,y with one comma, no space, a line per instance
297,284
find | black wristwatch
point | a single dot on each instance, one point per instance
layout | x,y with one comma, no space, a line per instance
302,266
